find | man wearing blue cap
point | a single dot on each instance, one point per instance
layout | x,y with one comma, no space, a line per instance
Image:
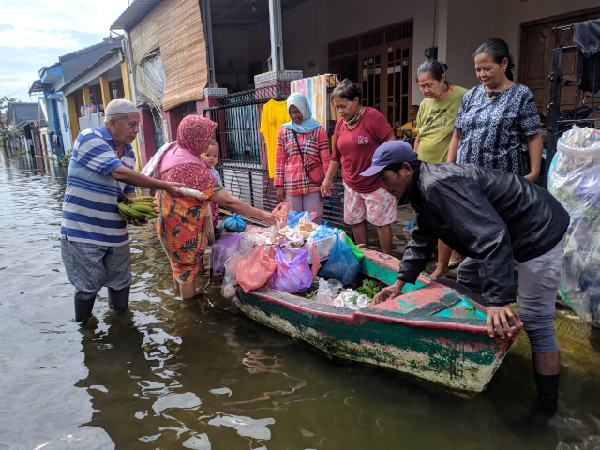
495,219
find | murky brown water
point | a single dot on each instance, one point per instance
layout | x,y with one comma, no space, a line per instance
172,375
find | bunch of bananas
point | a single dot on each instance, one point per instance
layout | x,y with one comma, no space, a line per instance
136,208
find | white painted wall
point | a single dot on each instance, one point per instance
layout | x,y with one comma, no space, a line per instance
470,23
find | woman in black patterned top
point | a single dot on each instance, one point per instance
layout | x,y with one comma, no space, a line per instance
497,118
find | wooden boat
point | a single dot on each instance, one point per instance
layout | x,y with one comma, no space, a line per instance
433,330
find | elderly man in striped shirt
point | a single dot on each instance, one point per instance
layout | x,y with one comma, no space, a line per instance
94,239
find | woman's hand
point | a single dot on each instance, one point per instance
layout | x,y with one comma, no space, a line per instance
267,218
532,176
389,292
280,194
326,187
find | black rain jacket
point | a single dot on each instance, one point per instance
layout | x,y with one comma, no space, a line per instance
493,216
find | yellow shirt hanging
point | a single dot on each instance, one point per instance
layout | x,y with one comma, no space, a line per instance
274,115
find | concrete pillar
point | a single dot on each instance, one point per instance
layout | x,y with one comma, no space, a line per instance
73,117
86,95
104,90
125,77
276,39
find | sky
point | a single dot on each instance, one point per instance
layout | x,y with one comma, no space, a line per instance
34,33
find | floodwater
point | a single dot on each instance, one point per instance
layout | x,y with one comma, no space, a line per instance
173,375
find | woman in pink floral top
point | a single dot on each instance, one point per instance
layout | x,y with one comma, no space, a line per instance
180,220
302,159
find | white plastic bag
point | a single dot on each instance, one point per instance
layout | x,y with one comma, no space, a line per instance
328,291
574,179
228,286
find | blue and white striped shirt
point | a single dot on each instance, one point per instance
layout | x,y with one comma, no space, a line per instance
90,212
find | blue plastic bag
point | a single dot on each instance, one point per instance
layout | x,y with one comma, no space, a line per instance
235,224
294,217
292,273
225,247
322,232
341,265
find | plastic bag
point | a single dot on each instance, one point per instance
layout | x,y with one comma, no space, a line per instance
222,250
282,210
294,217
356,250
235,223
292,273
341,265
254,270
323,232
351,299
229,276
328,291
573,178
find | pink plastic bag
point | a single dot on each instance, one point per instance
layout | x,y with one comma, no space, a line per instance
292,273
255,269
281,211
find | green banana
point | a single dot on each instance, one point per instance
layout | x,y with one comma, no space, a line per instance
128,213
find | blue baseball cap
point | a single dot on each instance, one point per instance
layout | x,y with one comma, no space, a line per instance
390,152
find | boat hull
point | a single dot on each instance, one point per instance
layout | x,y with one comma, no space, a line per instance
434,333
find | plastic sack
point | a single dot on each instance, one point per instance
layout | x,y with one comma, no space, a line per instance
574,179
235,223
281,211
254,270
222,250
328,291
292,273
323,232
228,286
356,250
341,265
294,217
351,299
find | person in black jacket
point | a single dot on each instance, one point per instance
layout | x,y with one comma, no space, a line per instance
495,219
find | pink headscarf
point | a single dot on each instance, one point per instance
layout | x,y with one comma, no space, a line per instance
195,132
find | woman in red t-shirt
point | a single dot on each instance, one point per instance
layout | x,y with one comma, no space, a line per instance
358,132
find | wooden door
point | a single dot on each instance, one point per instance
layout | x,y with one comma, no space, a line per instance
538,40
385,79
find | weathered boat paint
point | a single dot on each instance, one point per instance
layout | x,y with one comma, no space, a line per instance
434,333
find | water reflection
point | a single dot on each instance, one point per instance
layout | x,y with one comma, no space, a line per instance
171,374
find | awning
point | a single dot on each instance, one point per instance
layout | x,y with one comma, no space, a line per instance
133,14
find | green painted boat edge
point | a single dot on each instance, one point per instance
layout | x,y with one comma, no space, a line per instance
293,315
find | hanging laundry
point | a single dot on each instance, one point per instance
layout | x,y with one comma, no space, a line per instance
317,91
309,93
332,82
586,36
274,115
299,86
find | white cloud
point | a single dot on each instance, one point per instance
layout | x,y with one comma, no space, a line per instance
35,39
83,16
34,33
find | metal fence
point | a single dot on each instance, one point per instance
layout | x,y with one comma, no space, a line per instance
243,154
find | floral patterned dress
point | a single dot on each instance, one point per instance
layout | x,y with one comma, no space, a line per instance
179,222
